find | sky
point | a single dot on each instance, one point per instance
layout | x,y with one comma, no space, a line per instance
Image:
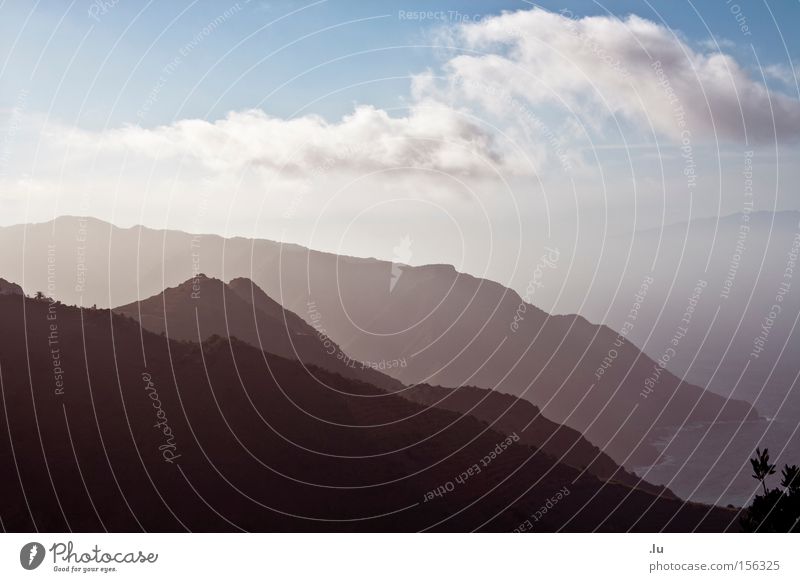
481,131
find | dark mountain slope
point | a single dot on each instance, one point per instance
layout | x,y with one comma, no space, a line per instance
255,443
203,307
450,328
454,329
511,415
262,322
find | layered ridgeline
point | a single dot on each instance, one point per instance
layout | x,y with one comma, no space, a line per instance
448,328
736,342
106,426
204,307
511,415
738,337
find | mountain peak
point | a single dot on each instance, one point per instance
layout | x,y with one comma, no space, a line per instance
8,288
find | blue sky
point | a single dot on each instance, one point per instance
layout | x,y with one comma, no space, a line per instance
349,126
98,73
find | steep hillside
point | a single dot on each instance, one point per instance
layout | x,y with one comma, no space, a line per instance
108,427
203,307
511,415
449,328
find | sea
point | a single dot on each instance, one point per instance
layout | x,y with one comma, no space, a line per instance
710,463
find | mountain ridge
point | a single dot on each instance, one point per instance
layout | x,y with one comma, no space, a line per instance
177,304
247,451
448,326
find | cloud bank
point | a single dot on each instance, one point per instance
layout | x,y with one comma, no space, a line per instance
525,95
634,70
524,89
431,136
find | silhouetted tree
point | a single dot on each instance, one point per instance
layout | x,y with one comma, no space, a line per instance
778,510
762,467
791,478
39,295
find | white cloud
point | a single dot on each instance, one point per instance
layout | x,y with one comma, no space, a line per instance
519,100
431,136
716,43
525,98
783,73
602,67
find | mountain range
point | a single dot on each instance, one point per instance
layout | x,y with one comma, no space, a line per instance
204,307
448,328
109,427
